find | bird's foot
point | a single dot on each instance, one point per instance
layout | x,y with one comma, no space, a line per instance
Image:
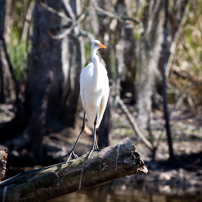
96,148
71,154
92,150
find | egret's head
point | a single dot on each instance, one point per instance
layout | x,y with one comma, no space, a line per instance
96,44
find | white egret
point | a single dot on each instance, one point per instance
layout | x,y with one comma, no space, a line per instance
94,92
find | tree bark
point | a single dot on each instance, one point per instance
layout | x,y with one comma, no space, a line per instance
56,180
2,55
38,120
47,55
148,52
64,57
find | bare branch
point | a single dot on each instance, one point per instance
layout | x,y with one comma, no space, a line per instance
16,83
121,18
68,10
62,15
134,124
86,34
27,21
68,31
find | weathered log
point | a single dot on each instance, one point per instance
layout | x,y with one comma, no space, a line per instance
42,184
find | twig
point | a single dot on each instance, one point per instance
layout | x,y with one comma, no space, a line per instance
121,18
86,34
27,20
68,31
11,69
134,124
62,15
178,101
68,10
176,40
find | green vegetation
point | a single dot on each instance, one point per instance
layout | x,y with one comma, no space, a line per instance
186,67
87,52
18,56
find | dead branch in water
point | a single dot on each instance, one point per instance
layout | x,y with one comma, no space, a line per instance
42,184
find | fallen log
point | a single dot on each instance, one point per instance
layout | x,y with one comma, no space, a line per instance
42,184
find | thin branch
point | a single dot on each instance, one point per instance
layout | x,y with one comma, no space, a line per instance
11,69
27,20
176,40
165,98
64,34
68,10
177,103
68,31
86,34
121,18
133,123
62,15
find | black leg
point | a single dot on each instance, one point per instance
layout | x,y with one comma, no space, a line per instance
94,139
72,151
96,144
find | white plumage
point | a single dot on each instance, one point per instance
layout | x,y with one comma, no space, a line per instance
94,86
94,91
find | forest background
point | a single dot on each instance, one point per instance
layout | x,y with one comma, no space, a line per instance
153,59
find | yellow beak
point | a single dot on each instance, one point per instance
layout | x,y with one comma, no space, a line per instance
101,46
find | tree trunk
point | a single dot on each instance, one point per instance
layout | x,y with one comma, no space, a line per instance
38,119
47,183
3,65
47,54
64,57
148,52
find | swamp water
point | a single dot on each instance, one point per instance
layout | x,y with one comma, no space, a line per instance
122,193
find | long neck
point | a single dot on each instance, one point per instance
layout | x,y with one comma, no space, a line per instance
95,61
93,52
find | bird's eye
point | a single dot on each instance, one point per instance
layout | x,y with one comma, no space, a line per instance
96,44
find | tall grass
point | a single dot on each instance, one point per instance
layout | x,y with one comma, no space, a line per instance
18,56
